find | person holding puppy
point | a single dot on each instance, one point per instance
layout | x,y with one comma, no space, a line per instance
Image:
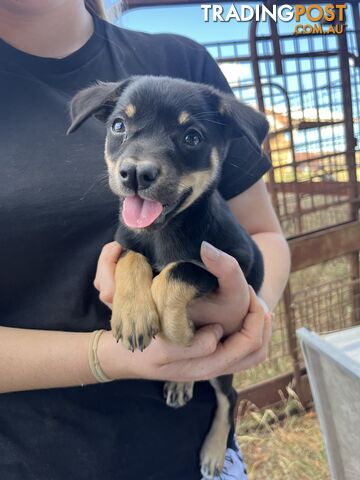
56,215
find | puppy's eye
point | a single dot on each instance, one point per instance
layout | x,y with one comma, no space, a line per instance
118,126
193,138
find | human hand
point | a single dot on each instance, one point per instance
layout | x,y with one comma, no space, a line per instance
204,359
105,273
161,360
230,303
243,349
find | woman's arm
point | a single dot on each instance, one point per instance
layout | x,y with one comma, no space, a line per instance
33,359
40,359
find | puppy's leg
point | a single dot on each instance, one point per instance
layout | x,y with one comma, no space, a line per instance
176,285
172,290
134,318
212,455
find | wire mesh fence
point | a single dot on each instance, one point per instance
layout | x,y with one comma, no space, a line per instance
310,181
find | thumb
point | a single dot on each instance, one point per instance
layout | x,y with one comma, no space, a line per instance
204,343
224,267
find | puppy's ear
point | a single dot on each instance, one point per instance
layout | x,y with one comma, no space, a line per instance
244,120
98,100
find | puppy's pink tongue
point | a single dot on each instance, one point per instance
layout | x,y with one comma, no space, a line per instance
140,213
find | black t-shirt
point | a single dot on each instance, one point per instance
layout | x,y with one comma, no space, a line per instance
56,213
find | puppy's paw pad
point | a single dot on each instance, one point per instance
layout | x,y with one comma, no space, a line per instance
178,394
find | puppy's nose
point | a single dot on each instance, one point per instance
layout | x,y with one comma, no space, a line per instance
138,176
146,174
128,175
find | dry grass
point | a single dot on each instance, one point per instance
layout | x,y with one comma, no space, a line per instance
281,445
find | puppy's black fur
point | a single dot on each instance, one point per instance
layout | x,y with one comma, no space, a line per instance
166,141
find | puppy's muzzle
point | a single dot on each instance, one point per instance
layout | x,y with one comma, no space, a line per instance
138,176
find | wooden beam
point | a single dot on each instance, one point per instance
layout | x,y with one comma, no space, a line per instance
313,248
266,394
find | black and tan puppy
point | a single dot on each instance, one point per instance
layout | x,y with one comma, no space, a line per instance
165,144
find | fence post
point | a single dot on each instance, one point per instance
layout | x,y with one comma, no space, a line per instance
292,339
351,165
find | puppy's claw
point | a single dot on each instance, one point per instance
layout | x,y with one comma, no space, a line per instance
210,471
135,329
177,394
117,335
131,343
140,342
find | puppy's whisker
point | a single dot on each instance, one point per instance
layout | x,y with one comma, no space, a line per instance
214,121
185,185
102,179
200,114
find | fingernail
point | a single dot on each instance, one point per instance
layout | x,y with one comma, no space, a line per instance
218,330
210,251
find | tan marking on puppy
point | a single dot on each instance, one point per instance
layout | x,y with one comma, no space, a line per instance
199,181
171,298
223,108
113,172
130,110
134,318
183,118
108,160
212,455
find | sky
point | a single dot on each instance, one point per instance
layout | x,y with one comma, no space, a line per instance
188,20
185,20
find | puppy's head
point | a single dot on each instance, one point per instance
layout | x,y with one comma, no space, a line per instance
166,141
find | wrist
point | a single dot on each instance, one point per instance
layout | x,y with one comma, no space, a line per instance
113,357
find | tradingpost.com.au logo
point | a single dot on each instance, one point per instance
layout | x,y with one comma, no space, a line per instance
325,19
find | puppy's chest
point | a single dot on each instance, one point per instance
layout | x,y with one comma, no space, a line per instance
165,250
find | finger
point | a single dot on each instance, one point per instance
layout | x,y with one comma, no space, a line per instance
224,267
104,279
235,348
205,368
204,343
255,306
258,356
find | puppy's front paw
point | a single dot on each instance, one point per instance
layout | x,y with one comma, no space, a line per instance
178,394
135,322
171,298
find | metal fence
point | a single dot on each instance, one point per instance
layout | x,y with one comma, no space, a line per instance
309,88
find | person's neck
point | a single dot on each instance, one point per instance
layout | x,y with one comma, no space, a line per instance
54,33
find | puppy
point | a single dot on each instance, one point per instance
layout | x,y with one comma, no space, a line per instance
165,144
